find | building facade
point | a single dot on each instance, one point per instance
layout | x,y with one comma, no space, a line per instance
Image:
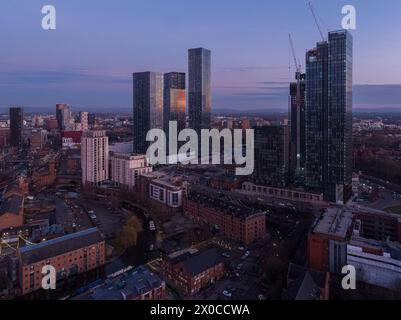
126,169
16,126
297,116
147,107
329,117
192,271
174,102
63,116
238,223
272,147
83,118
69,255
94,157
199,89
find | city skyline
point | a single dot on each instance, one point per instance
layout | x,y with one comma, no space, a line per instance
250,69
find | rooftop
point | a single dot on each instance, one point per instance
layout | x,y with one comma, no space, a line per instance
222,203
11,204
129,286
196,263
336,221
56,247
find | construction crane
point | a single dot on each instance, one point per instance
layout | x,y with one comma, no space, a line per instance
298,68
316,20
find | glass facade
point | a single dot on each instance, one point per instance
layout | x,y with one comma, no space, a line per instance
329,117
199,82
147,107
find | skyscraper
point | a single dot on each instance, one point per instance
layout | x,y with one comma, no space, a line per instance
147,107
94,157
297,116
329,117
199,91
174,102
63,115
16,125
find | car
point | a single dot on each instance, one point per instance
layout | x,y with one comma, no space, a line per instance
241,248
226,255
239,267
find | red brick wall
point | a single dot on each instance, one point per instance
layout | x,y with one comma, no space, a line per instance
66,261
318,252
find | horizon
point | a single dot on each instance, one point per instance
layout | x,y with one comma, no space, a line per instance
250,70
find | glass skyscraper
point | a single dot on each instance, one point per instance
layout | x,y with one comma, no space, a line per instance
199,89
147,107
329,117
174,100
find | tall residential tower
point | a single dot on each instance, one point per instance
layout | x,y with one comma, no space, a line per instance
147,107
199,89
329,117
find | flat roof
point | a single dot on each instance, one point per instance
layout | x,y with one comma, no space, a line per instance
335,221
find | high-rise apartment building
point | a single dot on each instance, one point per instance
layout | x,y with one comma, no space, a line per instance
147,107
94,157
199,89
83,118
272,148
16,126
329,117
64,116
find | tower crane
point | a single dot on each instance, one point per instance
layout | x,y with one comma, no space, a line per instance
311,8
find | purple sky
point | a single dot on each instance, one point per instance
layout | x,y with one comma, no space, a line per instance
87,62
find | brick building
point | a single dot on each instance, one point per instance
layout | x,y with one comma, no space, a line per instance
233,221
191,272
70,255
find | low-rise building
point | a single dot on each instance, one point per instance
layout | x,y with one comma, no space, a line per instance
192,271
126,169
233,220
69,255
139,284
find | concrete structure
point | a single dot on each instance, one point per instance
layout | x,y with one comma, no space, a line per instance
126,169
94,157
69,255
83,117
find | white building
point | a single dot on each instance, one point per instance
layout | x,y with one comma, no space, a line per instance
94,157
375,262
167,192
126,168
